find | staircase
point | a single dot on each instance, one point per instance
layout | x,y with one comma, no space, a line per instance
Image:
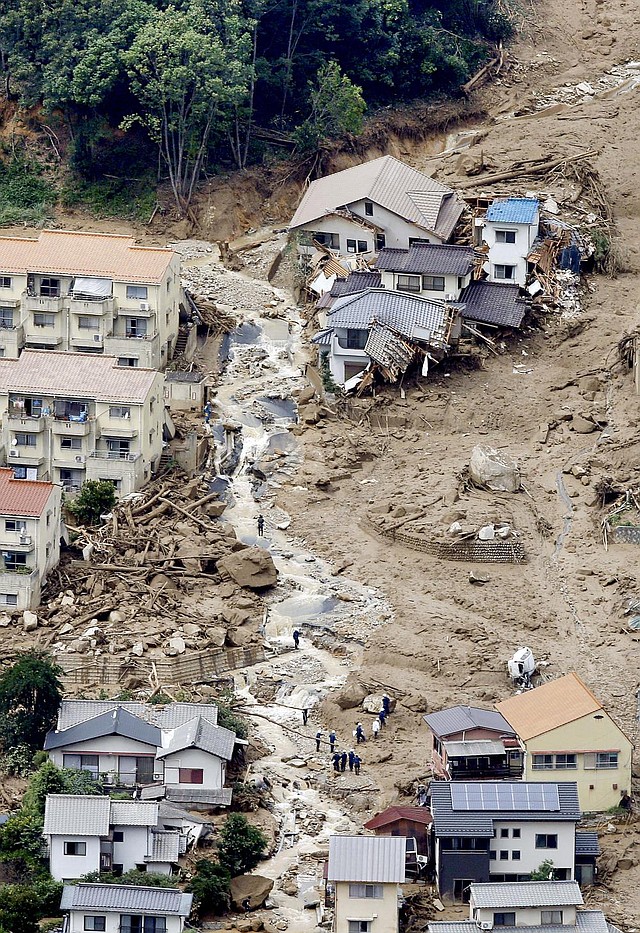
181,342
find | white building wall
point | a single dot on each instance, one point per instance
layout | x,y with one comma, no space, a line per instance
109,748
132,850
64,867
530,857
214,768
453,285
510,254
42,547
525,916
112,925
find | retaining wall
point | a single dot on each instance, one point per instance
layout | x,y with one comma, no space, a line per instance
485,552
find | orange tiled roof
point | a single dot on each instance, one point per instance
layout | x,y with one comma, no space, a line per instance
22,496
549,706
65,252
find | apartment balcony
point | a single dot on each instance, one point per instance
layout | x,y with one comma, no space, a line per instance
11,341
17,578
119,427
69,460
99,307
18,541
42,303
146,349
38,336
25,456
115,455
24,424
72,428
87,341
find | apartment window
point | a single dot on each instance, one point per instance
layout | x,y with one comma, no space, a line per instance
87,763
505,236
504,833
26,440
505,272
88,322
366,890
549,917
50,288
136,923
190,776
381,241
96,924
542,762
492,856
504,919
408,283
118,450
137,292
5,281
413,240
515,855
357,246
6,318
119,411
71,443
357,339
118,835
127,361
504,856
606,759
13,561
8,599
136,327
368,208
44,320
15,524
75,848
359,926
566,762
546,841
516,834
433,283
168,285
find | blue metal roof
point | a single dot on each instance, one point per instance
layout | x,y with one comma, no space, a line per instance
513,210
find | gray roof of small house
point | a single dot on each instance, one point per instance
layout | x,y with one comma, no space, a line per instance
473,747
493,303
456,719
199,733
164,846
116,721
125,897
386,181
405,313
72,712
526,894
76,815
167,811
133,813
355,282
587,921
367,859
427,259
463,808
587,843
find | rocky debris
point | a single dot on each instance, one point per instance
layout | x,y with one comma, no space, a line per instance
252,568
373,703
29,621
493,469
351,696
255,887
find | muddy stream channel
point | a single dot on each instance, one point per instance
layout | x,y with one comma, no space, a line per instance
255,455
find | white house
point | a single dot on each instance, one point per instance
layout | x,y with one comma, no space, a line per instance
553,906
431,271
30,528
365,873
502,831
379,203
509,229
89,833
123,908
177,751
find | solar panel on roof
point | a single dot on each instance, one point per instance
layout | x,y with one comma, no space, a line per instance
510,797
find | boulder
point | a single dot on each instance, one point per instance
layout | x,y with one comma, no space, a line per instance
255,887
493,469
373,703
351,696
582,425
176,643
253,568
29,621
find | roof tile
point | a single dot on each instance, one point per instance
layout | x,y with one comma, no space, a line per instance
427,259
22,496
493,303
76,815
526,894
125,897
552,704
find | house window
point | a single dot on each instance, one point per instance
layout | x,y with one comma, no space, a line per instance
88,322
417,240
515,855
50,288
71,443
566,762
492,856
15,524
546,841
549,917
87,763
504,919
8,599
368,208
26,440
504,833
118,835
381,241
357,339
357,246
542,762
97,924
433,283
516,833
118,450
137,292
504,856
127,361
5,281
505,272
13,561
190,775
139,924
75,848
44,320
330,240
136,327
119,411
409,283
606,760
6,318
359,926
366,890
505,236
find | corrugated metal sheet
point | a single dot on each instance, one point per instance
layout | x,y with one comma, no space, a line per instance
215,797
427,259
165,717
456,719
493,303
587,843
513,210
405,313
367,859
76,815
165,846
527,894
473,747
133,813
587,921
125,897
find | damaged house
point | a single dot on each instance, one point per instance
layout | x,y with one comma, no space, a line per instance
509,230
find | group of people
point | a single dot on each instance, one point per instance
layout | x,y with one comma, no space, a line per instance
341,758
340,761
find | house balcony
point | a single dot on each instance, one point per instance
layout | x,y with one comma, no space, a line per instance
72,428
37,336
17,579
115,455
11,341
339,347
18,541
100,307
498,773
24,424
42,303
146,349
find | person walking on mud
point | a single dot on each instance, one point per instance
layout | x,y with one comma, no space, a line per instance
332,740
296,638
375,728
343,761
305,717
336,762
319,734
352,758
260,526
360,736
357,761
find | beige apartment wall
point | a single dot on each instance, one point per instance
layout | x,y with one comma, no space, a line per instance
381,912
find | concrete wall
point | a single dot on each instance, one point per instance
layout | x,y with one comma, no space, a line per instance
64,866
184,396
598,789
339,356
42,550
214,768
530,857
381,912
132,850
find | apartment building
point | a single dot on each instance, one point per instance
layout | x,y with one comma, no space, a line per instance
29,539
68,418
89,293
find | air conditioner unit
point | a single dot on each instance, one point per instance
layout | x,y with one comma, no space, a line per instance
486,925
80,459
14,453
97,338
25,539
144,306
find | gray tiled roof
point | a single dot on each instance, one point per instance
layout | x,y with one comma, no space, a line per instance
587,843
168,811
198,733
72,712
125,897
389,349
355,282
408,314
165,717
76,815
164,846
367,859
322,338
526,894
587,921
390,183
456,719
450,821
427,259
214,797
493,303
133,813
116,721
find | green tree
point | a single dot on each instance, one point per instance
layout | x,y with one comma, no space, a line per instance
22,842
22,905
241,845
141,879
49,779
30,695
544,871
96,498
337,107
211,887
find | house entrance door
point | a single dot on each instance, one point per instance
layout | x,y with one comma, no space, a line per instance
462,890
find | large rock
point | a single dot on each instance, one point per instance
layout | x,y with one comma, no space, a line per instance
373,703
493,469
255,887
351,696
252,567
29,621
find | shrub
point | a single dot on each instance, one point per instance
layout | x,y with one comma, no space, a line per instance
543,872
211,887
25,196
30,695
241,845
17,761
230,720
141,879
95,498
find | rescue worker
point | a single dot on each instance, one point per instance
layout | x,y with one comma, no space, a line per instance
357,761
319,735
360,736
332,740
296,638
375,728
260,526
343,761
352,758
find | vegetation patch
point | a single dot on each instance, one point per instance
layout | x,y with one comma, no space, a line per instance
25,194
